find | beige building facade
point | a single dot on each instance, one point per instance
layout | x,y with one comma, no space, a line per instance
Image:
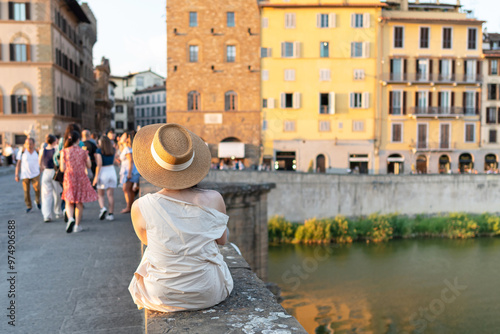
41,66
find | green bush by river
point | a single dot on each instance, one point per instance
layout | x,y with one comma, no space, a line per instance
381,228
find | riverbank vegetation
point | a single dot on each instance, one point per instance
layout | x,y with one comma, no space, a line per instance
381,228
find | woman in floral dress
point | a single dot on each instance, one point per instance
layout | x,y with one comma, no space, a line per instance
77,187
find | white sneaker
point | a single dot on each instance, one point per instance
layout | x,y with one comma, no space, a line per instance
77,229
102,213
110,217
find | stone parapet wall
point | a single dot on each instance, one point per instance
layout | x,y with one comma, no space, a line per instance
251,308
299,196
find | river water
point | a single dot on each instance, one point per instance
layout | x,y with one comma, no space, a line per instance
402,286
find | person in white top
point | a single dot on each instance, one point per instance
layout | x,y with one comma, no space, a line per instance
182,268
28,170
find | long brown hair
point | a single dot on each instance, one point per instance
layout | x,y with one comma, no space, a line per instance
73,138
106,146
70,128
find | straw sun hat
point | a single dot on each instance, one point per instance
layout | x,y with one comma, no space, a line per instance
170,156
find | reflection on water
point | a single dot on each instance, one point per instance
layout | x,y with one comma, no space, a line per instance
404,286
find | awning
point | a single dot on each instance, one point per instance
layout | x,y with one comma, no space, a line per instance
232,150
395,159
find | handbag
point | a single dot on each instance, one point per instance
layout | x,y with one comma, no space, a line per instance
58,175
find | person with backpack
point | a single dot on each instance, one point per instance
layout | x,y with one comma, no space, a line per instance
28,170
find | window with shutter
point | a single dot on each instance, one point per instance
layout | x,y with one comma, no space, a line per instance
469,132
324,126
357,49
398,37
493,136
287,50
290,75
447,38
265,75
424,37
397,131
331,96
491,115
265,22
366,100
296,100
358,126
289,126
289,20
270,103
471,38
357,20
324,74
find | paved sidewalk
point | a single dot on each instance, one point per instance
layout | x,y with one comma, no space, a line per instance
68,283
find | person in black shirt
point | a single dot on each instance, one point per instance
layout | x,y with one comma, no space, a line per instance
91,147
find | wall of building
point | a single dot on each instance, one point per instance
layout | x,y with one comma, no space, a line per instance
408,148
353,127
299,196
212,76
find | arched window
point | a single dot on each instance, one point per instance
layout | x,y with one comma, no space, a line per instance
20,100
19,48
193,100
230,101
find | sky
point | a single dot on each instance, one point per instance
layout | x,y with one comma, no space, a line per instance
132,33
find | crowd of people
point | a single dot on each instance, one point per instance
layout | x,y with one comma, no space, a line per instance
78,168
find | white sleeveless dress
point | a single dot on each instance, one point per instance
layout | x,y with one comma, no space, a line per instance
182,268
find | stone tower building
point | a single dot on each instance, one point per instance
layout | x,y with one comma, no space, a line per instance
213,66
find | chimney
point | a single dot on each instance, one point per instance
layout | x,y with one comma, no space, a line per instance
404,5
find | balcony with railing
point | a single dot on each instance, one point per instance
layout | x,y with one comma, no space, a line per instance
424,146
426,78
443,111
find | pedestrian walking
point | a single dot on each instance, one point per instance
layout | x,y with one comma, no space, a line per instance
182,268
90,147
8,154
128,172
28,170
57,157
51,189
77,187
105,178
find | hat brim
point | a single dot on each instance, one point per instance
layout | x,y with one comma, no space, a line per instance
160,177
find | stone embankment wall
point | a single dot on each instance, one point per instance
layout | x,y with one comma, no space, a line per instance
299,196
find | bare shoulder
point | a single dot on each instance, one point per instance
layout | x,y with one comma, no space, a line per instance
212,199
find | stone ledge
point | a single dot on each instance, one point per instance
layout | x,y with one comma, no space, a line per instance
251,308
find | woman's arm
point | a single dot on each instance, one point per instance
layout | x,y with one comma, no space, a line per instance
62,166
139,223
89,163
220,206
130,165
40,156
98,161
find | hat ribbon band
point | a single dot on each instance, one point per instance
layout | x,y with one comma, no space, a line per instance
169,166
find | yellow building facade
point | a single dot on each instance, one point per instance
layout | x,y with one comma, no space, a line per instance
319,84
430,102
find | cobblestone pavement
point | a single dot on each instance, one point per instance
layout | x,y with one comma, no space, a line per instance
67,283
